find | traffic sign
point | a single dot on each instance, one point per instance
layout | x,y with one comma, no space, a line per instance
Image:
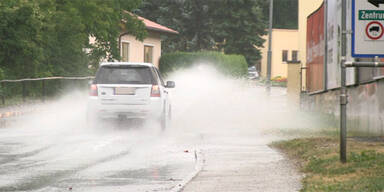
367,28
376,2
374,30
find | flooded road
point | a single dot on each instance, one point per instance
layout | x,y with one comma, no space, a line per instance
57,153
53,150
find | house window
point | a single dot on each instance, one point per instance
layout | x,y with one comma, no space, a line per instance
285,56
294,55
125,51
148,54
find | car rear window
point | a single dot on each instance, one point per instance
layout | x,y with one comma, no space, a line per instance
124,75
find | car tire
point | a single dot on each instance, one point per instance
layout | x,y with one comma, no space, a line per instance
89,122
92,121
163,122
169,123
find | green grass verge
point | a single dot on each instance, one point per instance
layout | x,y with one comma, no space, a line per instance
318,159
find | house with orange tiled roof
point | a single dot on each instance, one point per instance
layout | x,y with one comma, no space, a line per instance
148,50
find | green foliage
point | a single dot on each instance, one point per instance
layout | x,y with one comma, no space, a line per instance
51,37
239,27
231,26
234,65
20,38
285,14
1,74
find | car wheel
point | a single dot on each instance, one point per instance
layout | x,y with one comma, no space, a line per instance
163,122
169,118
92,121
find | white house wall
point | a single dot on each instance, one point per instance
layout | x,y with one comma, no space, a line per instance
136,47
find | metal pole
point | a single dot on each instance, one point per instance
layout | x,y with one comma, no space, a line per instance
364,64
269,59
343,116
325,68
343,93
301,78
301,85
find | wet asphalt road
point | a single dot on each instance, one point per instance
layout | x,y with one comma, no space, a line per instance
57,153
229,121
99,162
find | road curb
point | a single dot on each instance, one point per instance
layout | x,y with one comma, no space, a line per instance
199,164
9,115
17,111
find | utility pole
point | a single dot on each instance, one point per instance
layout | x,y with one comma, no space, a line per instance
343,91
269,59
371,49
325,68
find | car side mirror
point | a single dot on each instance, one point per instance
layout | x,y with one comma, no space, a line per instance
170,84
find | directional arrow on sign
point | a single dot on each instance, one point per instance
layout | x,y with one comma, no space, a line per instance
376,2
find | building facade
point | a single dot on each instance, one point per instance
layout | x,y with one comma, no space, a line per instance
306,8
365,86
284,48
287,45
148,50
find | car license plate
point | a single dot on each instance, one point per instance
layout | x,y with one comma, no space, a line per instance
125,91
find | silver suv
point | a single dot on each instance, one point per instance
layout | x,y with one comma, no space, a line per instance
129,90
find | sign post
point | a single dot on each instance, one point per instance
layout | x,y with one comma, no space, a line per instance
368,42
343,90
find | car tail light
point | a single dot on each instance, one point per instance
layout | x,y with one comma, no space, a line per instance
93,90
155,92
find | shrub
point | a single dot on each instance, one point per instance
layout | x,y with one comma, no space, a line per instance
233,65
279,79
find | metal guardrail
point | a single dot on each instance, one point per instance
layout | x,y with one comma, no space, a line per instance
43,84
46,78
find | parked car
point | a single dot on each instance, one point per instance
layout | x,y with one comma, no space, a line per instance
252,73
129,91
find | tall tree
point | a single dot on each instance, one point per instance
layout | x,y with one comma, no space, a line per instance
52,37
285,14
20,37
232,26
239,26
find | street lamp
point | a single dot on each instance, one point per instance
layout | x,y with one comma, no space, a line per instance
269,59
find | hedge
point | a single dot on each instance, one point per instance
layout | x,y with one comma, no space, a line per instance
233,65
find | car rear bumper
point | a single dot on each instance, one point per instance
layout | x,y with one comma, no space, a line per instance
152,109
